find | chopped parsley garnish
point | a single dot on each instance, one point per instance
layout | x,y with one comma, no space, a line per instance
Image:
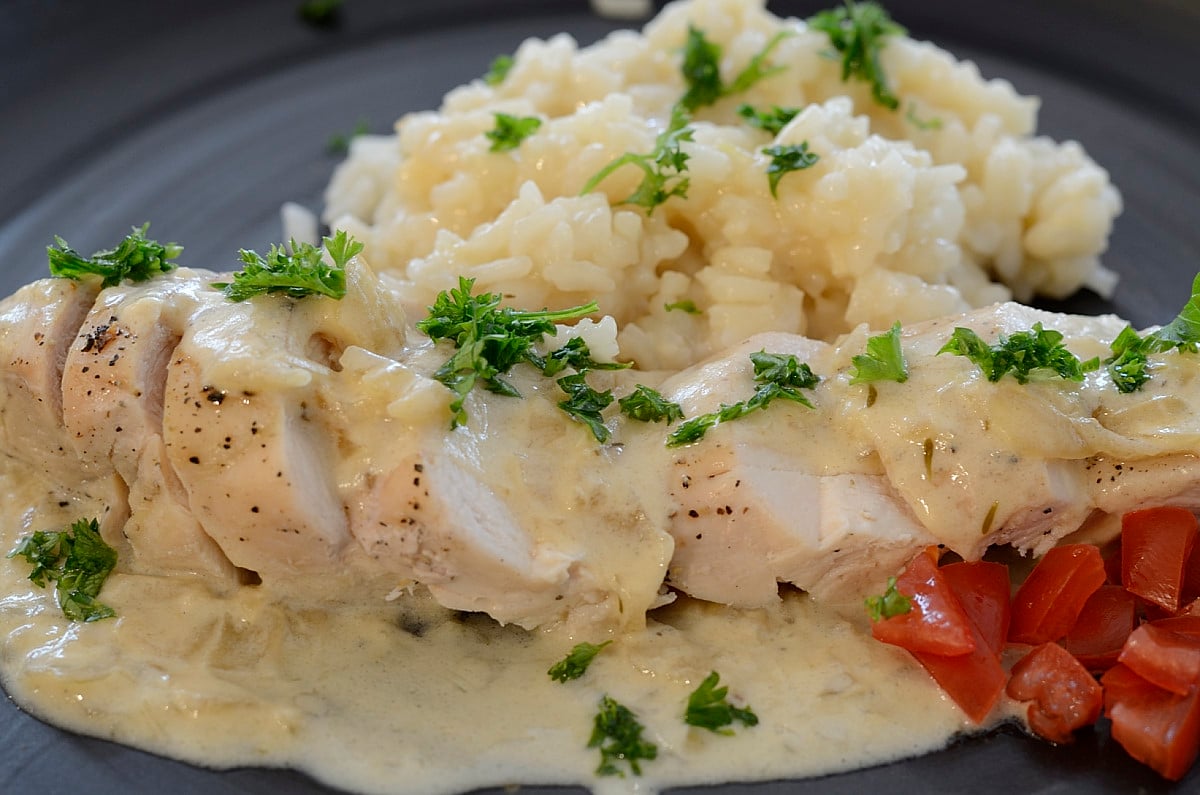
498,70
296,275
320,13
510,131
683,306
932,123
1028,355
339,143
702,70
618,734
135,258
989,518
858,32
771,121
778,376
786,158
663,169
585,404
757,69
489,340
574,354
890,603
576,663
78,560
708,708
883,361
1129,365
648,405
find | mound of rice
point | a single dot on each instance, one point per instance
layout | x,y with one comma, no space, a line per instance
947,203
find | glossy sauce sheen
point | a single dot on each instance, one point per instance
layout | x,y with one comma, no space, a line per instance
408,697
316,668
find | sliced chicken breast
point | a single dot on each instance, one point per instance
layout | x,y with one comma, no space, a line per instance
295,438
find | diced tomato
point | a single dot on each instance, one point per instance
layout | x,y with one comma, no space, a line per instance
936,624
1155,547
975,680
1186,625
1154,726
1065,696
1050,600
1191,577
984,590
1108,616
1112,564
1164,658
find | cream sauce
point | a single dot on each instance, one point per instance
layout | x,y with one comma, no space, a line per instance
319,671
408,697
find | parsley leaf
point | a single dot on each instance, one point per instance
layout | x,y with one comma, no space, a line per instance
785,370
296,275
662,169
648,405
576,663
499,70
883,361
771,121
702,71
708,708
683,306
1025,354
857,31
574,354
618,734
778,376
135,258
320,13
932,123
1129,366
339,143
786,158
891,603
757,69
585,403
489,340
78,559
510,131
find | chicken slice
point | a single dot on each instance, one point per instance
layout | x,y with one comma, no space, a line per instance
163,534
833,499
37,325
251,428
116,368
436,523
113,382
520,514
240,435
982,463
754,507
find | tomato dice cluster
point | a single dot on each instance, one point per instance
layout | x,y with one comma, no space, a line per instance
1118,636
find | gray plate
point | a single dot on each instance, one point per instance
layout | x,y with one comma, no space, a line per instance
203,118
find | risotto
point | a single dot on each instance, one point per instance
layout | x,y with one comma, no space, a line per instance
945,203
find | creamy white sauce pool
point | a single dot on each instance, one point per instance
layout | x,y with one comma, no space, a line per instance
321,673
406,697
